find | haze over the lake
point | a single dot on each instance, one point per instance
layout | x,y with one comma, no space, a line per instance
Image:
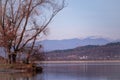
83,18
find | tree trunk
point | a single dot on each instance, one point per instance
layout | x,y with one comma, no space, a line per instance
27,59
14,58
9,59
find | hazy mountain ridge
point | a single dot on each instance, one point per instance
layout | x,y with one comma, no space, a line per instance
110,51
50,45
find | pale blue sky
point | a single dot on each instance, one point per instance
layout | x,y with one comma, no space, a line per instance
83,18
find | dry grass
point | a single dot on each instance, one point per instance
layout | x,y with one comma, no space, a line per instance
17,67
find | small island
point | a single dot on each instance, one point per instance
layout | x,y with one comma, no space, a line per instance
18,66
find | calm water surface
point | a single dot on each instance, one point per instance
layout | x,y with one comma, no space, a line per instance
82,71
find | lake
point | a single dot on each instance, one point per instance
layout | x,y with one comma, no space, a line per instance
81,71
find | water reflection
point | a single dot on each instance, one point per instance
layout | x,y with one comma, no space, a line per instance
70,72
83,72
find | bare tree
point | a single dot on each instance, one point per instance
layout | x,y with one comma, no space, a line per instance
22,22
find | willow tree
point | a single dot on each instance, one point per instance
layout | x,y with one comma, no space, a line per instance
22,22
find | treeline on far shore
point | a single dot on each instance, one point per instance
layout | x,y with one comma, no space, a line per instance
110,51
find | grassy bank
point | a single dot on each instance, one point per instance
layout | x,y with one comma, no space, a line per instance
19,67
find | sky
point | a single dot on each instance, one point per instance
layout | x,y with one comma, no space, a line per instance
85,18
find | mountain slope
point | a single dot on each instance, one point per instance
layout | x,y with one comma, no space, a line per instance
109,51
50,45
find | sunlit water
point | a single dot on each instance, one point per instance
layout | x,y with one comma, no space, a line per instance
82,71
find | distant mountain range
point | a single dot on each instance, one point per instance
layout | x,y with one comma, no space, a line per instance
50,45
110,51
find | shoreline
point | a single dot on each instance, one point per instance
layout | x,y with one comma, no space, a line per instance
73,62
15,68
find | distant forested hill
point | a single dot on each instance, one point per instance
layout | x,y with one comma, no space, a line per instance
110,51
